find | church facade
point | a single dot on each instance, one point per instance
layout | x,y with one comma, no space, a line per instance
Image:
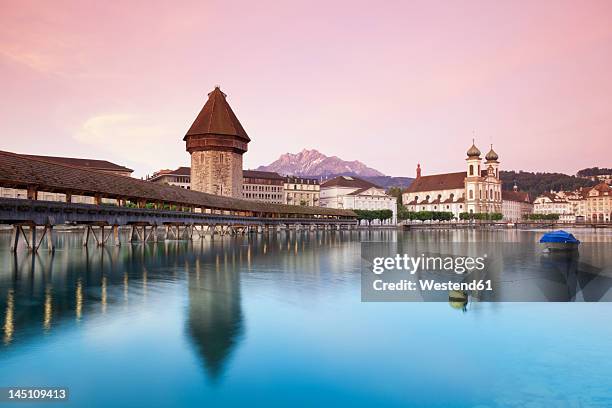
476,190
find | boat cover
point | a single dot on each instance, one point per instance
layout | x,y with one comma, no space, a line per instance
559,237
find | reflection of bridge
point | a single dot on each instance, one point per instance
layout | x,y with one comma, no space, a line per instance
46,293
124,201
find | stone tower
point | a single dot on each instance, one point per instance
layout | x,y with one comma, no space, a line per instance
216,142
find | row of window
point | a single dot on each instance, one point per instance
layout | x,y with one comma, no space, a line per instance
489,194
310,187
251,187
427,197
180,179
259,196
435,207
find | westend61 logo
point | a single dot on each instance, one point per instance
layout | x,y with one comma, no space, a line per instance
404,272
419,270
411,264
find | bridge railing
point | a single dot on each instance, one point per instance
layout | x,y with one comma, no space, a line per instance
15,211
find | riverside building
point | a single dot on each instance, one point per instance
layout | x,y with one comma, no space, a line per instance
591,204
263,186
345,192
180,177
516,205
477,190
301,191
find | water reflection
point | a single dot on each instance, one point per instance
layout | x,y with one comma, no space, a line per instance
43,294
215,319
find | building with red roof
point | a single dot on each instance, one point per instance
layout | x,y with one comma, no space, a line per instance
477,190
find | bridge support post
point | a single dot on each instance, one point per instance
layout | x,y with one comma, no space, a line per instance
32,239
116,236
15,238
50,246
86,235
152,235
204,229
102,240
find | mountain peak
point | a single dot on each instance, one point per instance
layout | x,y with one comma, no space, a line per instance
312,163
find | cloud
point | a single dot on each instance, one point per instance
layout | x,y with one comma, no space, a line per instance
30,59
133,138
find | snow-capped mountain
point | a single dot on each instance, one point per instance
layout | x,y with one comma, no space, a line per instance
312,163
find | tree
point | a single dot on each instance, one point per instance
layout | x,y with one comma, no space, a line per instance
593,171
497,216
371,215
403,213
383,215
397,193
542,217
367,215
537,183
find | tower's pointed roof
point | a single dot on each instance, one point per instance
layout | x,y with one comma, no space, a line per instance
217,118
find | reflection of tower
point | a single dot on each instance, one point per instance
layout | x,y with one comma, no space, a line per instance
458,299
216,142
215,315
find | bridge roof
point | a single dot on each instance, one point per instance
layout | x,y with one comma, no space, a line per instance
19,171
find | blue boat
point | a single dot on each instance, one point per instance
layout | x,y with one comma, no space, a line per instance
559,241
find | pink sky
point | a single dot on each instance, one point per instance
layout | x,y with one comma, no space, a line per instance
387,83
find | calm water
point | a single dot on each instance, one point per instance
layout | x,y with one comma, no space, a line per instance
278,321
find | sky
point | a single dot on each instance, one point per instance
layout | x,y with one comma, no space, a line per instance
391,84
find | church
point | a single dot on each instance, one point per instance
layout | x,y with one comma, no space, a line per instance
476,190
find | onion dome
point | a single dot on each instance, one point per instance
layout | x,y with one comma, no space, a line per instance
473,151
491,156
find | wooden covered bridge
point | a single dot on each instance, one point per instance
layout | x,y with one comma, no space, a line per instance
152,211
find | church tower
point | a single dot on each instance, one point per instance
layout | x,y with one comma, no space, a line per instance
473,194
216,142
493,183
